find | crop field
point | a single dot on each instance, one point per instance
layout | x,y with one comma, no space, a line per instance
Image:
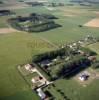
19,48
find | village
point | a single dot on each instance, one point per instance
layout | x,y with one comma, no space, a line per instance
71,61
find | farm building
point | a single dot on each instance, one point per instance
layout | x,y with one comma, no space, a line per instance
37,79
28,67
46,63
46,95
41,94
83,76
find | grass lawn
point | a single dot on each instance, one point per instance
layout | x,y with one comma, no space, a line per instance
94,47
17,48
3,22
74,91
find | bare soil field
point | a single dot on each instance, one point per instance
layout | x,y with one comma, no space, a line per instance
93,23
7,30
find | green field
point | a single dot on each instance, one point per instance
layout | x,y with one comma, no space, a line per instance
74,91
18,48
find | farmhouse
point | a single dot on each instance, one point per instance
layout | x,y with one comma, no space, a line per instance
41,94
83,76
37,79
45,63
92,58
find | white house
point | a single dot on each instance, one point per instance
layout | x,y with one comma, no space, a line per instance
41,94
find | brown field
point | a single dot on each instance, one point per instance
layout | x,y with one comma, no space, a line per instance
7,30
93,23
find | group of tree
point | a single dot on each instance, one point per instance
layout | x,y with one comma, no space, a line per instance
6,12
73,66
54,54
76,63
34,23
95,65
66,51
